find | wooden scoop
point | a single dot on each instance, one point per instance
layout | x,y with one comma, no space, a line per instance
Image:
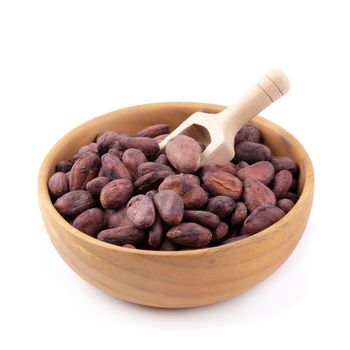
217,131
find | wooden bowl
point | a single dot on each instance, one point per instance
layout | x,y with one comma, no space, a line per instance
185,278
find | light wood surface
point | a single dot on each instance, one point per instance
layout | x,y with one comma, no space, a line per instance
185,278
217,132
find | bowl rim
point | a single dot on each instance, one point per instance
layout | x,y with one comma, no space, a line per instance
47,205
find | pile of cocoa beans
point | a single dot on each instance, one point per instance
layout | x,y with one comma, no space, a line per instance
120,190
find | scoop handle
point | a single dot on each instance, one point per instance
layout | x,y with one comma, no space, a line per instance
268,89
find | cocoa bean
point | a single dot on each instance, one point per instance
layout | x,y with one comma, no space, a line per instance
58,184
284,163
285,204
141,212
222,206
84,169
132,159
256,194
220,231
150,194
233,239
239,214
156,234
190,234
220,183
90,221
117,150
106,140
160,138
248,132
95,185
123,235
150,167
262,171
151,181
147,145
184,153
252,152
289,195
282,183
225,166
241,165
201,217
64,166
168,246
118,218
154,130
187,186
170,206
129,246
162,159
84,149
74,203
114,168
116,193
294,186
261,218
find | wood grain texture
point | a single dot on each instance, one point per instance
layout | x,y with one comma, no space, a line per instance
185,278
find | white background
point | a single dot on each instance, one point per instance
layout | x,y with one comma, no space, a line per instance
63,62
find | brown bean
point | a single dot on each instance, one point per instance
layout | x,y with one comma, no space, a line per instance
282,183
239,214
95,185
74,203
256,194
285,204
156,234
106,140
64,166
141,212
90,221
170,206
123,235
241,165
129,246
132,159
261,218
224,166
290,195
248,132
222,206
116,193
262,171
151,181
160,138
162,159
201,217
118,218
168,246
220,183
117,150
184,153
252,152
114,167
187,186
147,145
154,130
84,169
150,167
220,231
190,235
58,184
284,163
